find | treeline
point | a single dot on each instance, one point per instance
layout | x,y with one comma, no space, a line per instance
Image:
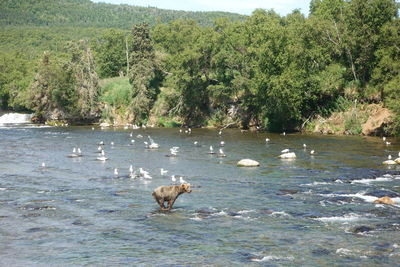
84,13
268,71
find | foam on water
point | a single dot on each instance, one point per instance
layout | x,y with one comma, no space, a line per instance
360,195
316,183
351,217
368,181
273,258
234,213
279,214
246,211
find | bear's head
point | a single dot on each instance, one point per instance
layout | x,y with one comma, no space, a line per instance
186,188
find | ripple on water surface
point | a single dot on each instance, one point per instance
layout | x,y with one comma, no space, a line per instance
314,210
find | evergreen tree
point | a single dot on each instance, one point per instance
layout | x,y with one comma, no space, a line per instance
144,75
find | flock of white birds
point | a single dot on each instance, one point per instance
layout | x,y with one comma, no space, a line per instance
142,174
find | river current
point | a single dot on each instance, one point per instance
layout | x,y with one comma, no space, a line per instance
315,210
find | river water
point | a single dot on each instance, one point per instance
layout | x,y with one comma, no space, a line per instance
315,210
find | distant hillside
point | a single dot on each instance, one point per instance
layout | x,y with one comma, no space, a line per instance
84,13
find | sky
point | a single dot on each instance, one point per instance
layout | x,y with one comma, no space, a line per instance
245,7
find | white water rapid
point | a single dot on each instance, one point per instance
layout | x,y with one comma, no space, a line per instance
15,118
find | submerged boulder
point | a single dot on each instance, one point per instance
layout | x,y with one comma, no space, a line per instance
248,163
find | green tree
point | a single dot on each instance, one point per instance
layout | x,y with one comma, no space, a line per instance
386,76
66,87
111,53
51,89
15,78
84,80
144,75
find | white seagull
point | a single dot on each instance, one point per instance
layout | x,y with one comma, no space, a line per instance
389,161
182,181
163,171
211,150
285,150
153,145
221,153
102,157
173,179
74,154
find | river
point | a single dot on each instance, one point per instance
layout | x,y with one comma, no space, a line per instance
315,210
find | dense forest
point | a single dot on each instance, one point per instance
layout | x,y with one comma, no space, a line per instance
76,60
84,13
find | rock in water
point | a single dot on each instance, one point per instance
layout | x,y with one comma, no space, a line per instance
384,200
248,163
105,124
288,155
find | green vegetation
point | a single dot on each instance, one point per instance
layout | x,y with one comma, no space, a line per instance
277,73
84,13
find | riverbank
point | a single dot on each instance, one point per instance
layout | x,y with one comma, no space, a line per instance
360,119
364,119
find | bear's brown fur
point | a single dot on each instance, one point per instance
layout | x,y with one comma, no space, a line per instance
384,200
169,193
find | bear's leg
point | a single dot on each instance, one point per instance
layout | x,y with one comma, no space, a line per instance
160,202
170,204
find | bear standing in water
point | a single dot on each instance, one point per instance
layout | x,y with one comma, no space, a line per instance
169,193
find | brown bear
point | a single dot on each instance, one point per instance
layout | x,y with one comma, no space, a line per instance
169,193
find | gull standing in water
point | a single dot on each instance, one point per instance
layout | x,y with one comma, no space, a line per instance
222,144
116,172
153,145
389,161
162,171
102,157
182,181
173,179
398,159
173,151
131,173
211,150
221,153
73,155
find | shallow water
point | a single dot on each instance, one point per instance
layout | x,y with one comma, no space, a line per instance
314,210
